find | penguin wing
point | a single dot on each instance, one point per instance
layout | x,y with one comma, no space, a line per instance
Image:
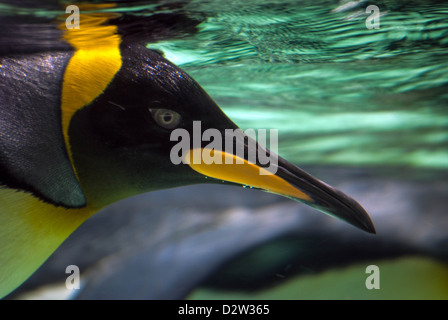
33,155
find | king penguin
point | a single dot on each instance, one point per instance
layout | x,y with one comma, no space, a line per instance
86,119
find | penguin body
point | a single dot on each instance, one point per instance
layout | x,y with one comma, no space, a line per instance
42,201
90,124
37,183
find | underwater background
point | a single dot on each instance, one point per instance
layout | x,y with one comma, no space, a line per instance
362,109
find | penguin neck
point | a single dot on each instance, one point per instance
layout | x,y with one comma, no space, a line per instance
108,175
105,184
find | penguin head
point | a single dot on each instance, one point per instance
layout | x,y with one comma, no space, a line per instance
121,142
142,133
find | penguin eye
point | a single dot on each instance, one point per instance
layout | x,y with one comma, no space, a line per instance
166,118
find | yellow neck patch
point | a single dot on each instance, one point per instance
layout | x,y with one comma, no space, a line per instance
95,63
31,229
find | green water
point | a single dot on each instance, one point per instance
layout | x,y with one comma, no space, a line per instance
403,279
339,93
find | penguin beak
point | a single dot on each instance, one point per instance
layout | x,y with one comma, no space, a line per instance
280,177
324,197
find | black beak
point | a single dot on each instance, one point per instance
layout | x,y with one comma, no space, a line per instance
282,178
324,197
